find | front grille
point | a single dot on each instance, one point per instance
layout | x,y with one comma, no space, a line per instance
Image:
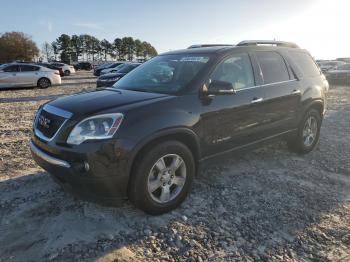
48,123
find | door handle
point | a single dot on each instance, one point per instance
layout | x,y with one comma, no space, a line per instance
257,100
296,91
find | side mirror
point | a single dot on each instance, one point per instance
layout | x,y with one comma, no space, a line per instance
218,88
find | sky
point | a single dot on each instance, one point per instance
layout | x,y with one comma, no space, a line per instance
320,26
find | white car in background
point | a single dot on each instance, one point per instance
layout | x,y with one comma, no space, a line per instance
67,69
27,75
112,69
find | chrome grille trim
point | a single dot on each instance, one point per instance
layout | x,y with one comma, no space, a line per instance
55,111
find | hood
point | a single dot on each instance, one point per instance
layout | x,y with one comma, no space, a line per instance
101,100
111,75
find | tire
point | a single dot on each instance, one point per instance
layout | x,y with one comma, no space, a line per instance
44,83
66,72
301,142
147,174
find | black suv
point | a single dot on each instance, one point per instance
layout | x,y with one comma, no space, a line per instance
83,66
145,137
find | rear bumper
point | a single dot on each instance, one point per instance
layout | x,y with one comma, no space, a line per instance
102,184
56,80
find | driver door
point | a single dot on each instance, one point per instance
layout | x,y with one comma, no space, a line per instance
231,121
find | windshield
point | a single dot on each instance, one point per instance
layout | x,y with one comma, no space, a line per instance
163,74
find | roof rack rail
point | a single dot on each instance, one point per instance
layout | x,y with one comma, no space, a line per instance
206,45
268,42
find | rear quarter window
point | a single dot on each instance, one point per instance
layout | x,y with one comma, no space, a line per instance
305,63
273,67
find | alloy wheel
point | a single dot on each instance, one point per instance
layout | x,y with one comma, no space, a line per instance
166,178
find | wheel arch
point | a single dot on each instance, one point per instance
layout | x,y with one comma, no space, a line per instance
315,104
183,135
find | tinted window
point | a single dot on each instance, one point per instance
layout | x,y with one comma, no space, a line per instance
27,68
305,63
164,74
236,70
272,67
11,68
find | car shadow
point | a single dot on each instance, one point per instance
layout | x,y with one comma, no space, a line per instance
260,200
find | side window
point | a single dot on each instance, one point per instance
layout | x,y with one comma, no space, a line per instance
11,68
236,70
272,66
28,68
305,63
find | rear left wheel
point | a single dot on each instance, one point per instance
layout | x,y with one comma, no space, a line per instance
44,83
66,72
308,133
162,178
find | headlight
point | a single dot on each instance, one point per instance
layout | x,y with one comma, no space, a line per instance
95,127
114,78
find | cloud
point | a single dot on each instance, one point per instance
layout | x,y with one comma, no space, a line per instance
46,24
49,26
89,25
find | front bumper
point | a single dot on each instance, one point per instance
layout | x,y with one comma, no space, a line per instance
105,180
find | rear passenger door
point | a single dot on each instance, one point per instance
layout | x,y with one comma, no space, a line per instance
282,94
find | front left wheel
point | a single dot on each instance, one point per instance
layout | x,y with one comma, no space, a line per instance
162,177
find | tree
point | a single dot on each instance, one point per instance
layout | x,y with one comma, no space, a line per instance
148,50
118,48
106,48
55,49
64,45
47,51
128,46
17,46
138,48
76,47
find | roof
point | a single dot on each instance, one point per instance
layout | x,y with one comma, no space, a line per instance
243,45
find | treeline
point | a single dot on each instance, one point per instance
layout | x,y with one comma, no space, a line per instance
17,46
88,48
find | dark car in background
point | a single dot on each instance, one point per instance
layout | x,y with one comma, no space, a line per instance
147,136
339,74
98,69
83,66
326,65
50,66
110,79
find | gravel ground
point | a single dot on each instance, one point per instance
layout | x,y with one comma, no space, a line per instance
265,205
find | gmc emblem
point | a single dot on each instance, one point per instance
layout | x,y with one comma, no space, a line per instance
45,122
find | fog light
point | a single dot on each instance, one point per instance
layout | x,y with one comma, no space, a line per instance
86,166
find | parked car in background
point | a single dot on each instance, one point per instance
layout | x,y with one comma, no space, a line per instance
27,75
67,69
146,137
109,79
60,70
339,74
83,66
97,71
112,69
327,65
